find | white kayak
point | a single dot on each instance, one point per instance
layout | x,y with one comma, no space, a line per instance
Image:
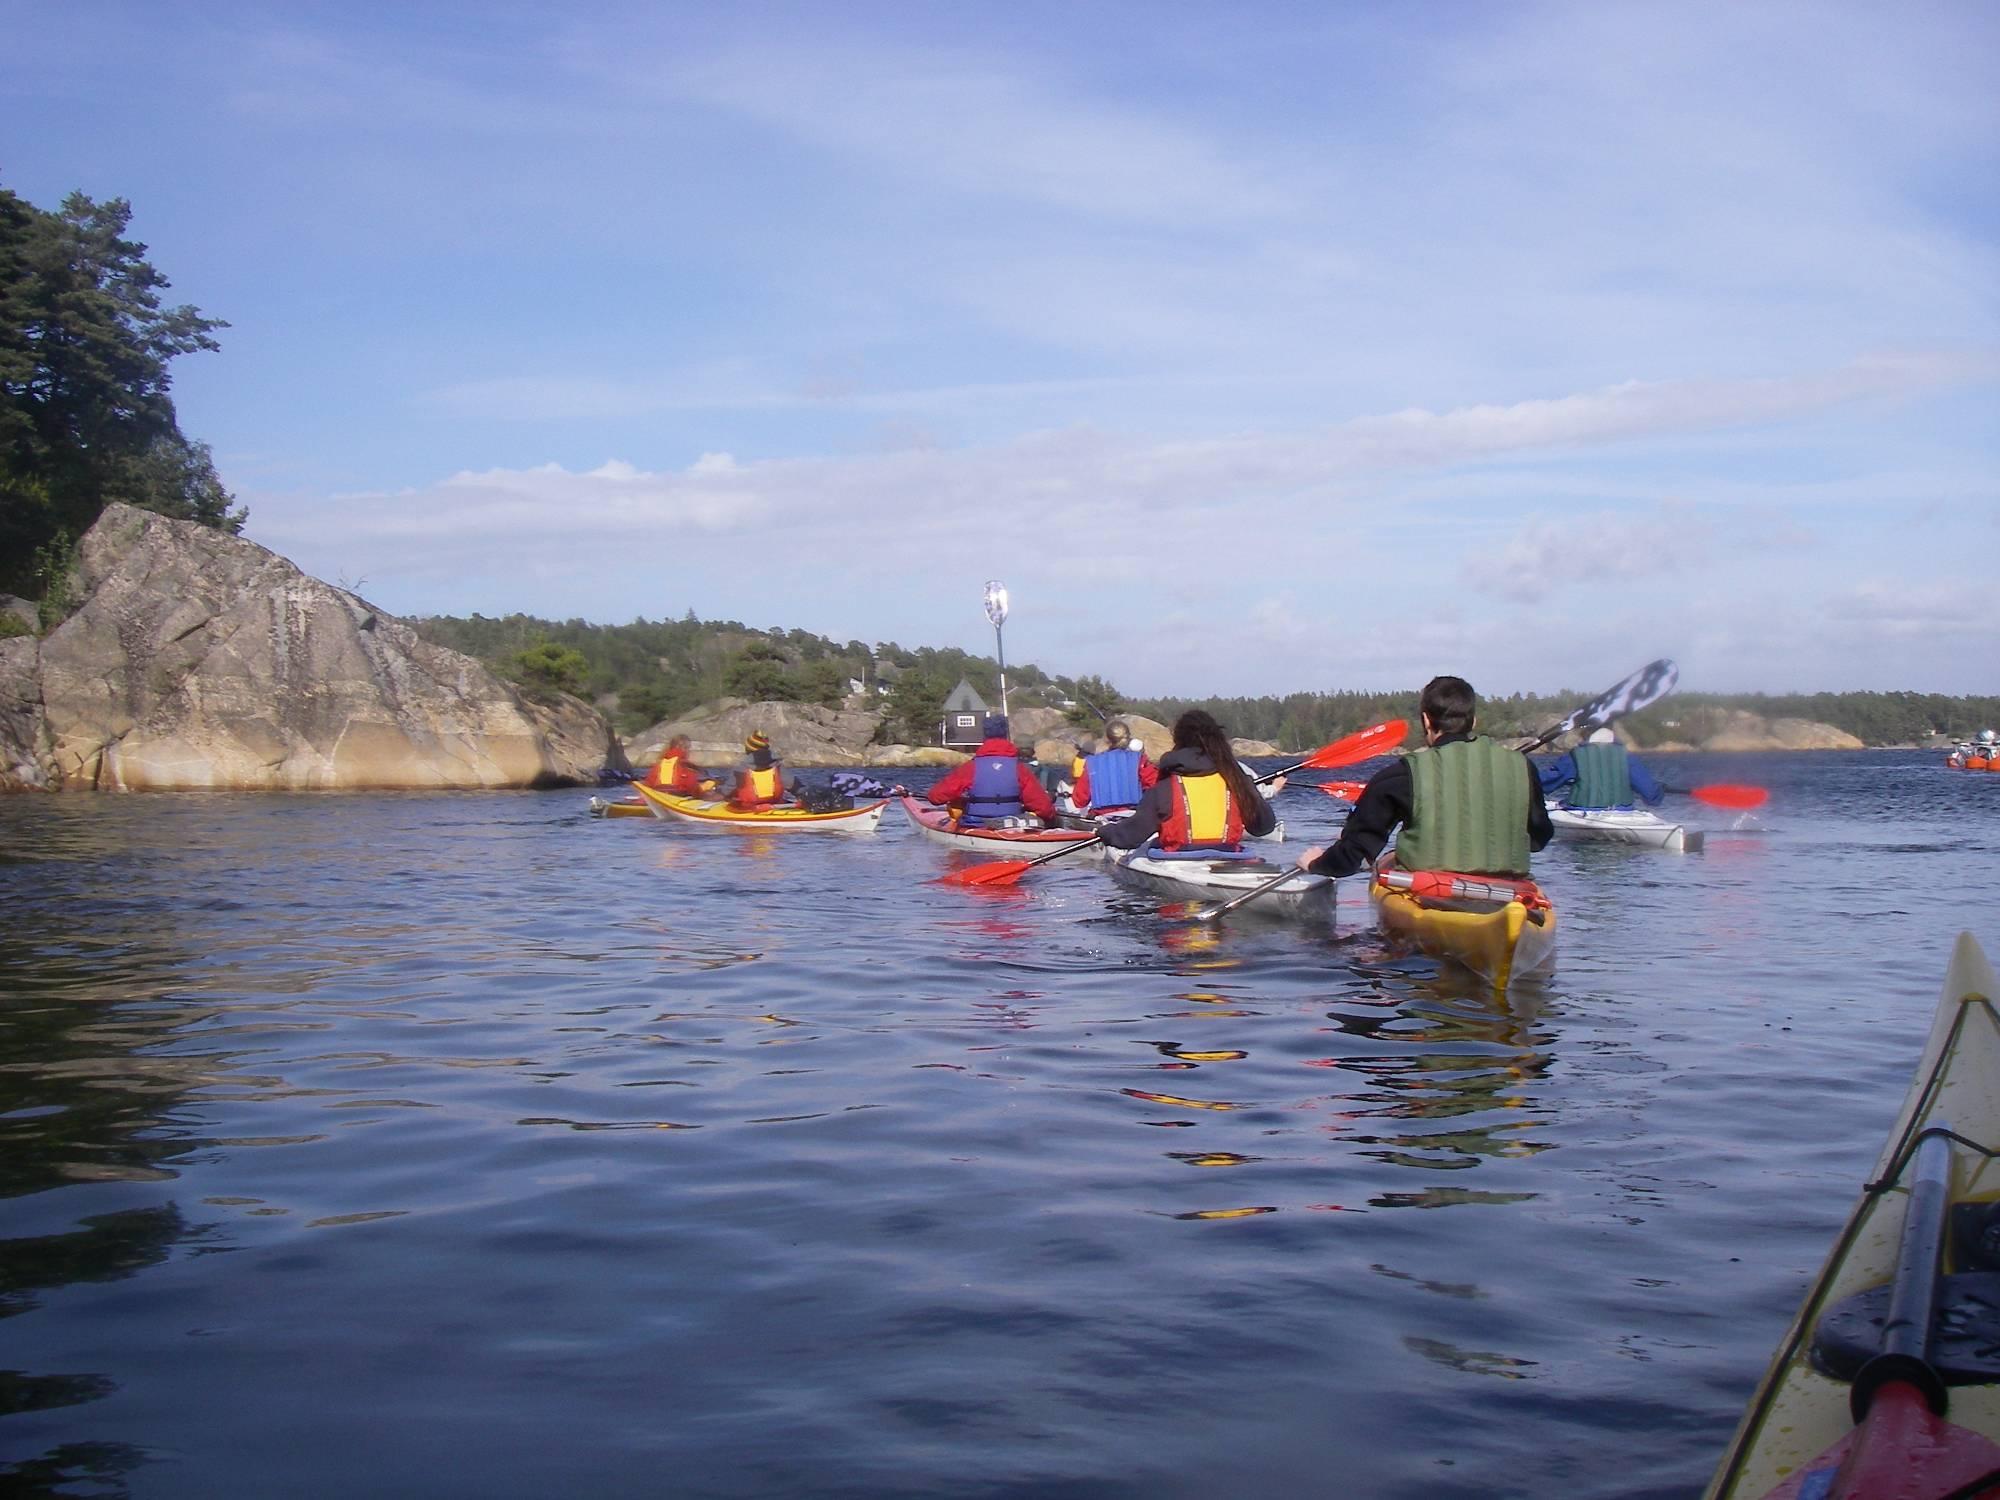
1624,825
1218,880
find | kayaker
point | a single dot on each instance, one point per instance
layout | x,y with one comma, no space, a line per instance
1202,799
760,780
1116,777
996,783
675,772
1464,802
1600,773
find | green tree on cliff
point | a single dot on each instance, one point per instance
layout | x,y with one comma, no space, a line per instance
85,412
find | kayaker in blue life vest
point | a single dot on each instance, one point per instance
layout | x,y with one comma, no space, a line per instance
1116,777
760,780
1464,802
1600,773
996,783
1203,799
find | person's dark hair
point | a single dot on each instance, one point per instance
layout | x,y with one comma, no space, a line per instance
1197,730
1450,704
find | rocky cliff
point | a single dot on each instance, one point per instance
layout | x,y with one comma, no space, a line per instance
200,660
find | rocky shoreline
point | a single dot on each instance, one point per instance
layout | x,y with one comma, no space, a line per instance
197,660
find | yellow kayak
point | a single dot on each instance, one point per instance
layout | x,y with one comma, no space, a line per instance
1888,1381
780,819
1501,929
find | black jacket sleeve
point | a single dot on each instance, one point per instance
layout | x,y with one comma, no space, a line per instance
1384,803
1540,830
1154,808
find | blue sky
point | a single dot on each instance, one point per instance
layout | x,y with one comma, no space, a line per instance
1255,348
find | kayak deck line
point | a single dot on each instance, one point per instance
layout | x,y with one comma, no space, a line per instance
1925,1423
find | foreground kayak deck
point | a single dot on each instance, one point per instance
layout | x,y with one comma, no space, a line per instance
1798,1437
935,823
1220,880
714,814
1624,825
1500,941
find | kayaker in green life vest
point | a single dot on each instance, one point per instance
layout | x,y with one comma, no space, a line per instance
1600,773
1464,802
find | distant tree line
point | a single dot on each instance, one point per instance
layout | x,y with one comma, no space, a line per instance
651,670
1299,721
85,414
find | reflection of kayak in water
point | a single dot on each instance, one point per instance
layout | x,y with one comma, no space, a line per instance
1501,929
1198,878
1623,825
1888,1381
780,819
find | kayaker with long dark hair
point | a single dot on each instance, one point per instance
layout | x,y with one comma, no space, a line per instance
1465,803
1204,798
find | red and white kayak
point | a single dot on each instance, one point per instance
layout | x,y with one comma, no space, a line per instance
936,824
781,819
1624,825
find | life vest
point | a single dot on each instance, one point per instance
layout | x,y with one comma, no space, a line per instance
758,785
995,792
1603,777
673,774
1469,809
1204,814
1114,778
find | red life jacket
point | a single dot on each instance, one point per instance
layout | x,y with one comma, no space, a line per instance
758,786
674,774
1204,815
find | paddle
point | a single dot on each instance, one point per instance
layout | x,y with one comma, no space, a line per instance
1210,913
1342,791
1723,794
1642,689
1361,745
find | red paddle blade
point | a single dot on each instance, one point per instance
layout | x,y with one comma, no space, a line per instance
1376,739
1342,791
999,872
1737,798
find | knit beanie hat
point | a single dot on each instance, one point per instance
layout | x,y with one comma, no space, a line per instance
995,727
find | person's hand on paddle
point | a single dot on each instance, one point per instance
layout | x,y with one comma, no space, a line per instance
1277,785
1307,856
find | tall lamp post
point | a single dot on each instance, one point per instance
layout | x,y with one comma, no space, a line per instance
996,611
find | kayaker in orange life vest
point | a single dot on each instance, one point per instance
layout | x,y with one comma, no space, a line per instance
996,783
1203,799
674,772
760,781
1123,774
1465,803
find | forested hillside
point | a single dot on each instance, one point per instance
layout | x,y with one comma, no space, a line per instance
651,670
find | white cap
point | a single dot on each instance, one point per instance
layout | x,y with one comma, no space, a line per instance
1602,735
1139,745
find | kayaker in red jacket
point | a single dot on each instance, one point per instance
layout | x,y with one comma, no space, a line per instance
674,772
1124,771
996,783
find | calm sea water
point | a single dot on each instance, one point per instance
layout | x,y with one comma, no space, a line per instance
466,1145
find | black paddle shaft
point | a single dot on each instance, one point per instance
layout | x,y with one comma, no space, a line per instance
1906,1332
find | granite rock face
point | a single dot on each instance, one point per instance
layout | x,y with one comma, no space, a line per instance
200,660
